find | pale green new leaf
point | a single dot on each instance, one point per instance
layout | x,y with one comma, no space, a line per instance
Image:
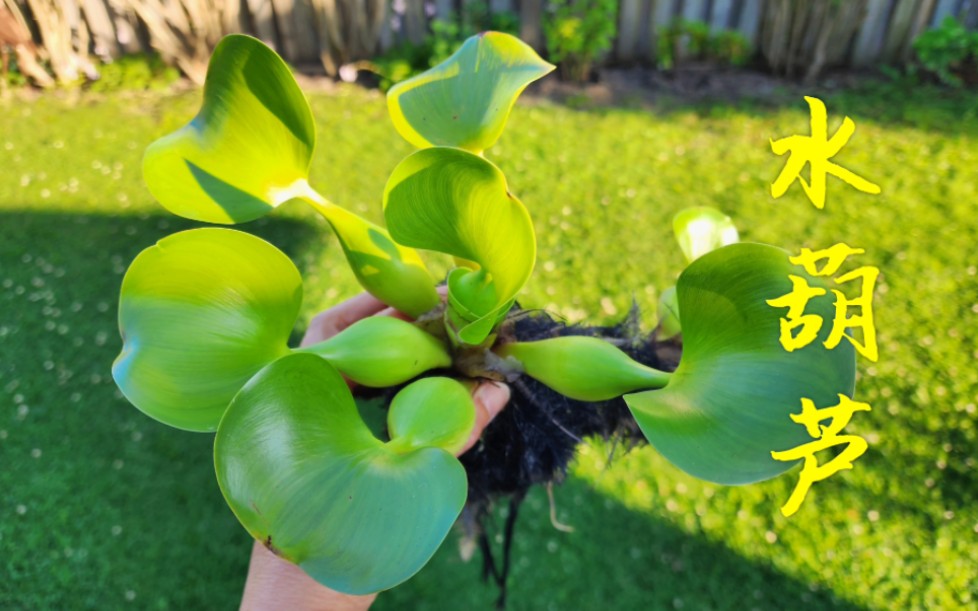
247,150
305,476
728,404
464,101
703,229
436,412
452,201
200,313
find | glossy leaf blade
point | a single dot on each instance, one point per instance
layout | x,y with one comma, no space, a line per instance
435,412
464,101
246,149
392,273
200,313
454,202
304,475
727,406
703,229
583,368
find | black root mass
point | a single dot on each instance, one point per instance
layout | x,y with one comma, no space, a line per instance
534,439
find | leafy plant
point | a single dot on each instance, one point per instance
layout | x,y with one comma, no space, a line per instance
685,40
139,72
950,52
578,32
206,314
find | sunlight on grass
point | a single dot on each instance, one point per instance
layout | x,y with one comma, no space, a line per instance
104,507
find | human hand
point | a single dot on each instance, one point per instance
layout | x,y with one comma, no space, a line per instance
275,583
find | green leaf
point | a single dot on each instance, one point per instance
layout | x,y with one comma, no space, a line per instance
247,151
701,230
727,406
382,351
583,368
436,412
304,475
390,272
452,201
200,313
465,100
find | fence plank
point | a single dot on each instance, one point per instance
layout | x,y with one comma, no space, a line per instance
330,35
126,22
971,18
899,26
264,20
870,38
943,9
100,25
695,10
283,18
925,12
720,15
628,29
750,21
845,27
501,6
232,16
645,45
531,31
414,23
444,10
307,48
380,15
660,15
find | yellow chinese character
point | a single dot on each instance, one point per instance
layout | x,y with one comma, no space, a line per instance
816,150
825,437
808,325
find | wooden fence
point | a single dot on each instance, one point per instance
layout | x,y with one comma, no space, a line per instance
793,35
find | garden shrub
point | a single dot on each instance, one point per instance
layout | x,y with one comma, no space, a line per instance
578,33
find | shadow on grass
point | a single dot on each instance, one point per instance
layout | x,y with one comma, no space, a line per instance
106,508
615,559
103,507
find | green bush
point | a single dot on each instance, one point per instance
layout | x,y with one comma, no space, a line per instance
136,72
950,52
577,33
694,41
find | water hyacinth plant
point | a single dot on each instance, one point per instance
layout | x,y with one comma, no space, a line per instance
206,316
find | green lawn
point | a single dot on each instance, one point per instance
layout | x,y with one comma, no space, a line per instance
104,508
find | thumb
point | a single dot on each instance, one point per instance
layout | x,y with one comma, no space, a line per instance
490,398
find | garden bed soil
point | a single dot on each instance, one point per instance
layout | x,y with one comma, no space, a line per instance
690,83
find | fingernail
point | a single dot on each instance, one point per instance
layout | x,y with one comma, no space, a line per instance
493,396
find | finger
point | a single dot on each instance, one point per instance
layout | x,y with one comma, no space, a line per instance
490,398
328,323
442,290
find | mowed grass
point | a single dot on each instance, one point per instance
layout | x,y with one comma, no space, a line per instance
104,508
